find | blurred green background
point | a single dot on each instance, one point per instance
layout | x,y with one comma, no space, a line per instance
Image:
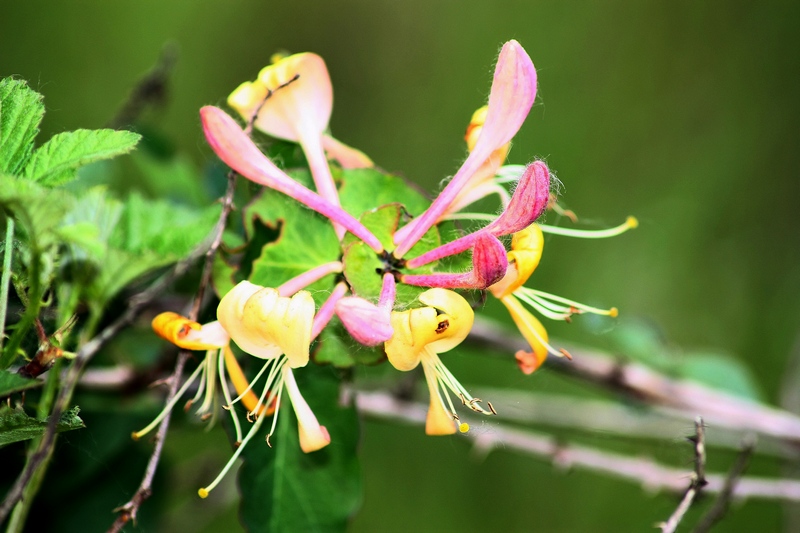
684,114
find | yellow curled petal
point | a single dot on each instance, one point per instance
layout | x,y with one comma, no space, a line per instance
240,383
454,324
528,325
188,334
405,346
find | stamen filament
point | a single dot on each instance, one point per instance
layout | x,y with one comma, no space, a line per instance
168,407
226,394
630,223
539,295
210,381
203,492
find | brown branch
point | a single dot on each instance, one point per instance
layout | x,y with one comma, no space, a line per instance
698,479
135,305
721,505
648,473
718,408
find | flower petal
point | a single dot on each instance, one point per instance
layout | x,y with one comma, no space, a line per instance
524,257
366,322
313,436
188,334
438,421
511,98
528,325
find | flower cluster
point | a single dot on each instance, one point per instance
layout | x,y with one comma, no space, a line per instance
292,100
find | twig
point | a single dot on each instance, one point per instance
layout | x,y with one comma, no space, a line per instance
135,305
718,408
644,471
611,417
721,505
698,479
129,510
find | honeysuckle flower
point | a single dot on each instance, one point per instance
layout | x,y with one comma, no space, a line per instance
419,336
482,182
211,338
511,97
529,200
299,112
524,257
239,152
489,263
278,329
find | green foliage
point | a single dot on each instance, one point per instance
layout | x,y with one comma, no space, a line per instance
361,263
21,111
11,383
286,490
113,243
56,161
16,426
305,240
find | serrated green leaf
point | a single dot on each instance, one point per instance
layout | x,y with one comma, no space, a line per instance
305,240
286,490
17,426
56,161
11,383
21,112
721,372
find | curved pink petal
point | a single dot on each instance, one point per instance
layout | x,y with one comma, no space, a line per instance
239,152
511,98
366,322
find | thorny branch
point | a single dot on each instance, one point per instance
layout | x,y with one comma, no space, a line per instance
648,473
722,503
129,510
718,408
698,479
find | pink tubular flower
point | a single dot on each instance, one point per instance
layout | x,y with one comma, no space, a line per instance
237,151
527,203
489,264
367,323
512,95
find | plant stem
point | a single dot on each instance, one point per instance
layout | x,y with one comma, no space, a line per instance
23,507
6,279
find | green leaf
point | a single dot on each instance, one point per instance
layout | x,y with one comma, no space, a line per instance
11,382
21,111
362,265
305,240
286,490
56,161
721,372
363,189
16,426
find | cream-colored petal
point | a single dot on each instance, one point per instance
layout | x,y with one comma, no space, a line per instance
313,436
459,318
528,325
188,334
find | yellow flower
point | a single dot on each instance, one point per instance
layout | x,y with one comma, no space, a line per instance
419,336
210,337
524,257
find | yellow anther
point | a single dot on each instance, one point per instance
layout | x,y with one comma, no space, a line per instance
463,427
632,222
613,312
203,493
